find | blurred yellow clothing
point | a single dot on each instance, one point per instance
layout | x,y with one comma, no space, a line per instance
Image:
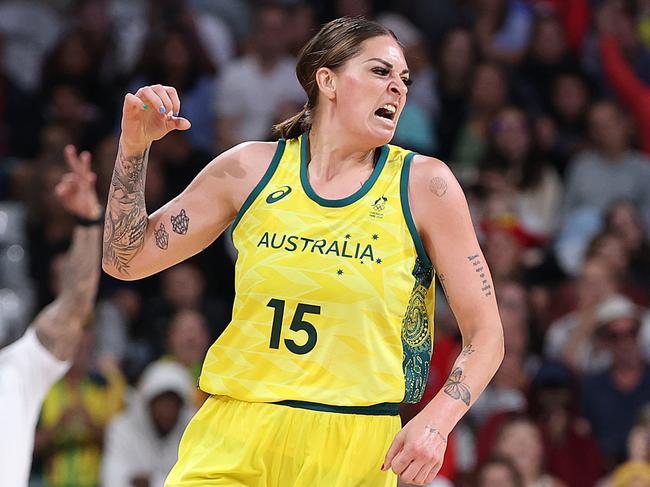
73,416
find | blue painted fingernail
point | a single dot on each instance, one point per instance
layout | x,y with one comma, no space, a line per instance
176,114
162,109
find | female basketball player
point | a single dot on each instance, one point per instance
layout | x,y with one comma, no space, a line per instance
339,236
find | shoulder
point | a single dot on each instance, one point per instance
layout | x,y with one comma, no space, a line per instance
240,168
431,179
247,155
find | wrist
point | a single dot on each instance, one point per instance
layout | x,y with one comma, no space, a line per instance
130,148
95,217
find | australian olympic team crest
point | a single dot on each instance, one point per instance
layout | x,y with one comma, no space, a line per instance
278,194
378,206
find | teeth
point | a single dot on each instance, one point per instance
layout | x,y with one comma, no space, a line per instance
390,108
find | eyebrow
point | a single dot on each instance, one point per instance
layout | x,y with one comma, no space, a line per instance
387,64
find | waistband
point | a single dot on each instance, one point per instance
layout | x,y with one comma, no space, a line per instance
383,409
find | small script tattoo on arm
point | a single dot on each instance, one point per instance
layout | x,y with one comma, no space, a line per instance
480,270
180,222
162,237
438,186
455,388
467,350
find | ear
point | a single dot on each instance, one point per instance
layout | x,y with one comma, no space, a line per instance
326,80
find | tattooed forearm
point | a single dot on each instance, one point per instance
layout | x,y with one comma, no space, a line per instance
58,326
438,186
480,270
456,388
180,222
126,214
162,237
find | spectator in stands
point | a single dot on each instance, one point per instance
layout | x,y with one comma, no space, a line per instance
488,94
503,29
70,436
571,338
498,471
177,57
612,398
562,133
253,88
455,65
611,170
624,220
547,57
183,287
141,443
572,454
514,167
520,440
188,340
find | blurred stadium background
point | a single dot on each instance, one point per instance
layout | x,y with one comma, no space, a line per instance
540,107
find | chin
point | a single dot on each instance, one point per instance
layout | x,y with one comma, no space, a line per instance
379,135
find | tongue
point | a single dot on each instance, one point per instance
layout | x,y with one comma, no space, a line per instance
382,112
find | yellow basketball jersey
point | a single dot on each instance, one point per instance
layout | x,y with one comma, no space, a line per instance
333,297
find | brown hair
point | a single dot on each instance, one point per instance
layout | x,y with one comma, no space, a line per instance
335,43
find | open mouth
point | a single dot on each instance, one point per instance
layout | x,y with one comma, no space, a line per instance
387,111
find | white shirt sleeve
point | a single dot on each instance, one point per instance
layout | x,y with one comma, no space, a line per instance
27,371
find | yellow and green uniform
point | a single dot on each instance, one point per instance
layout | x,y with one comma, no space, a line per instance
74,457
331,313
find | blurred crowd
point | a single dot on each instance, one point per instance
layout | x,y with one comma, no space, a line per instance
540,107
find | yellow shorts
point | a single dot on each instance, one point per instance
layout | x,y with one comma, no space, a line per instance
234,443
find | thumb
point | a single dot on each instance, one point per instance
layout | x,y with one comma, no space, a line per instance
394,449
180,123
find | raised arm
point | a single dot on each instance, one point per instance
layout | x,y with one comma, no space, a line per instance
58,327
442,217
137,244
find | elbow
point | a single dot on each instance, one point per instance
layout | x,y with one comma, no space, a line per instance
117,274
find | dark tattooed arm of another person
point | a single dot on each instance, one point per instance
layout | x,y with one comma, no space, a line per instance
58,327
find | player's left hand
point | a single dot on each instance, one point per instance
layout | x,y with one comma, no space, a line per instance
417,452
76,189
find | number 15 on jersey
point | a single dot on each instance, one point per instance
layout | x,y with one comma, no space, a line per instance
298,324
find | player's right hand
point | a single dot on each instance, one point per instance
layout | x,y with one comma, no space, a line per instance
150,114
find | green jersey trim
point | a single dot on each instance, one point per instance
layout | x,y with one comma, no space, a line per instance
406,208
383,409
279,151
361,192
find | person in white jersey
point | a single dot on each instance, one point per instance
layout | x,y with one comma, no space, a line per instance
33,363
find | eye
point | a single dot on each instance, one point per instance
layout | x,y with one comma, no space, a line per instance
380,71
407,81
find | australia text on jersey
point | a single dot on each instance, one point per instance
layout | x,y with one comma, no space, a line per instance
295,243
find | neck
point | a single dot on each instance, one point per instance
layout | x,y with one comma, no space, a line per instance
614,154
332,151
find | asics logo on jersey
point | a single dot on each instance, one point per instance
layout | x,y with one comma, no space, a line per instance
278,194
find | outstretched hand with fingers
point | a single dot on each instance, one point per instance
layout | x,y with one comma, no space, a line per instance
76,189
150,114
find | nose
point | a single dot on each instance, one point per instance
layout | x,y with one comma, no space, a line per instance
398,87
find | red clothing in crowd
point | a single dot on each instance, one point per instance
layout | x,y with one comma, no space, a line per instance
575,17
631,91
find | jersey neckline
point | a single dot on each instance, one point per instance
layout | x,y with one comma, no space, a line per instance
348,200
